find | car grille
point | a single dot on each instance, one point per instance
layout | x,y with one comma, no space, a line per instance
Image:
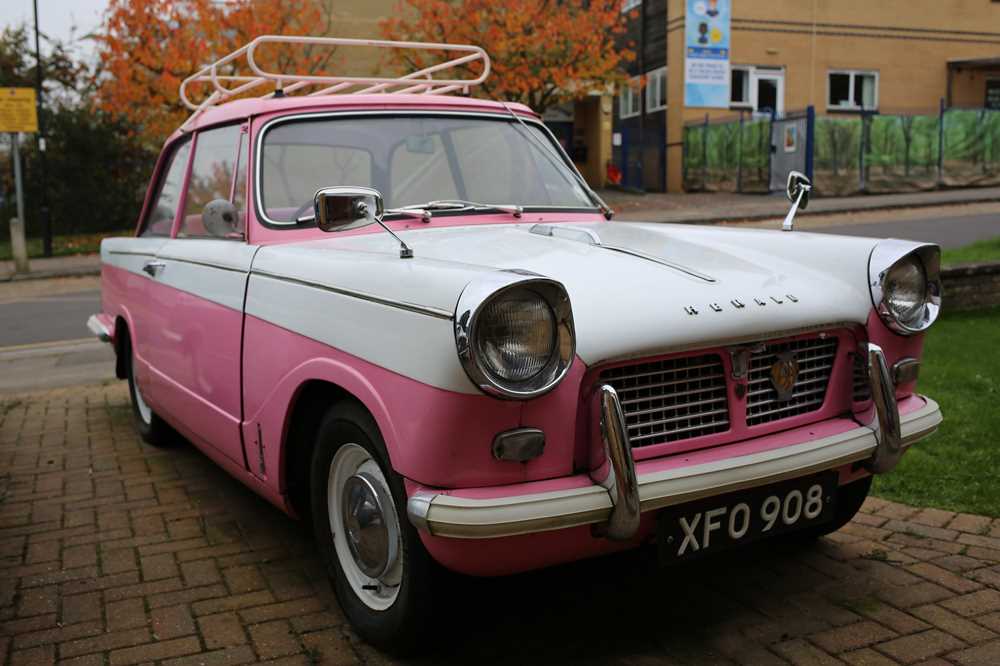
672,399
815,357
682,398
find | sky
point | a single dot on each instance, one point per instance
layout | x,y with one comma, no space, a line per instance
57,18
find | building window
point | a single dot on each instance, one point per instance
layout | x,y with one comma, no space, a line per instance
656,90
739,91
630,99
630,4
852,90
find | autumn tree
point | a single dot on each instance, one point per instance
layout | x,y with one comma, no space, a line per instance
544,52
147,47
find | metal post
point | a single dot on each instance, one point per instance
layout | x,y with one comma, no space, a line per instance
862,146
704,154
44,207
17,243
810,140
940,163
739,156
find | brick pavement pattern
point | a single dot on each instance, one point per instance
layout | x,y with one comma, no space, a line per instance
115,553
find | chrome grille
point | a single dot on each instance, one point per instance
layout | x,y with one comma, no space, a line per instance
815,357
672,399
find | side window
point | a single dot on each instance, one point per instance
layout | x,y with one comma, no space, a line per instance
211,178
164,209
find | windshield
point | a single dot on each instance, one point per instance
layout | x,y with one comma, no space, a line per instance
414,160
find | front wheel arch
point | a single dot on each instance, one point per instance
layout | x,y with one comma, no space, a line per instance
310,403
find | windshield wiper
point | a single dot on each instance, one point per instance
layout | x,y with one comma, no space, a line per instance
408,211
459,204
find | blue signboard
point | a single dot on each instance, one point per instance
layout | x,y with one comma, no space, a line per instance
706,53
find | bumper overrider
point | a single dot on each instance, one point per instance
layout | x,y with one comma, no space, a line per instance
617,496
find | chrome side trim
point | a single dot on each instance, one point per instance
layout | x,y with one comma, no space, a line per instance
204,264
617,471
454,516
371,298
134,254
98,328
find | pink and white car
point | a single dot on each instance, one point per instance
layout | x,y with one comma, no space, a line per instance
314,298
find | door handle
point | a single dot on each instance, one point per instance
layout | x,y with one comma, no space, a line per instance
153,268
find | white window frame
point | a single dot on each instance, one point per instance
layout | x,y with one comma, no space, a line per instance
631,90
629,5
656,80
853,74
748,103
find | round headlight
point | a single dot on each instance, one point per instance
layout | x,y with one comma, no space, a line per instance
905,280
516,335
905,288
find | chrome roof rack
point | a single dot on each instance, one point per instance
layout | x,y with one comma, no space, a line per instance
226,86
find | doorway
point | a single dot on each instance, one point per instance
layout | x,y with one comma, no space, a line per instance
769,91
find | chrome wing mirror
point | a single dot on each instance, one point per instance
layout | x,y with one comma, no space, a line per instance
797,190
346,208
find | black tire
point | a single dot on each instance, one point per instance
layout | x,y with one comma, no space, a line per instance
401,628
151,428
850,497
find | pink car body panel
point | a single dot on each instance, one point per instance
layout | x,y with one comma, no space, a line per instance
229,382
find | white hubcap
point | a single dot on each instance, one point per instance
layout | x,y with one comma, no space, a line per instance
365,527
145,413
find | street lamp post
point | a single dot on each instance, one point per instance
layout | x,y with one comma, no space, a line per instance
44,208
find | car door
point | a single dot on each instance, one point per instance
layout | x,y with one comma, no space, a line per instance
205,268
128,287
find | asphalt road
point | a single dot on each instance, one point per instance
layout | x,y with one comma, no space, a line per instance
946,232
47,318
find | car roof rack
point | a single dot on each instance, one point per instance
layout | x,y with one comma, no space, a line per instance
226,86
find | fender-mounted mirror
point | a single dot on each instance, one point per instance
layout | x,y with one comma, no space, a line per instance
345,208
797,190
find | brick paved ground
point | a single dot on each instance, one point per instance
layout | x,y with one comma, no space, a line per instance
115,553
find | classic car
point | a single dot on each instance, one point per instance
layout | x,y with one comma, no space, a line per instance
403,315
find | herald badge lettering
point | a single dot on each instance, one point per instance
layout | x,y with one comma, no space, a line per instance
784,373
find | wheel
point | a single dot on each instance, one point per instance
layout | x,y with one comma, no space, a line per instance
152,429
382,575
850,497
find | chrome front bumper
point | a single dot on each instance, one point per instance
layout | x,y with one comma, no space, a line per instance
618,496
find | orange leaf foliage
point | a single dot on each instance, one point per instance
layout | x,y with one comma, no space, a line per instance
544,52
147,47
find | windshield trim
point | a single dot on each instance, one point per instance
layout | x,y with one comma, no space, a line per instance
498,116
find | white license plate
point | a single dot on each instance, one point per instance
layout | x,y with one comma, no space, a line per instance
718,523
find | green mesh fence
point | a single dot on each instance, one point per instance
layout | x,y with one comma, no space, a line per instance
694,159
755,172
727,156
836,161
971,147
851,154
901,153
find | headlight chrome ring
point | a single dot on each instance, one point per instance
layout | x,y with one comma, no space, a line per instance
905,282
514,334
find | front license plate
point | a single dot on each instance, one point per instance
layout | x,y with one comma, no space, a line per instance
718,523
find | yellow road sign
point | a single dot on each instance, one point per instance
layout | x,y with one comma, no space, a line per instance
18,112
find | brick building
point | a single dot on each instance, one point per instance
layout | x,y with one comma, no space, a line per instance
840,56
